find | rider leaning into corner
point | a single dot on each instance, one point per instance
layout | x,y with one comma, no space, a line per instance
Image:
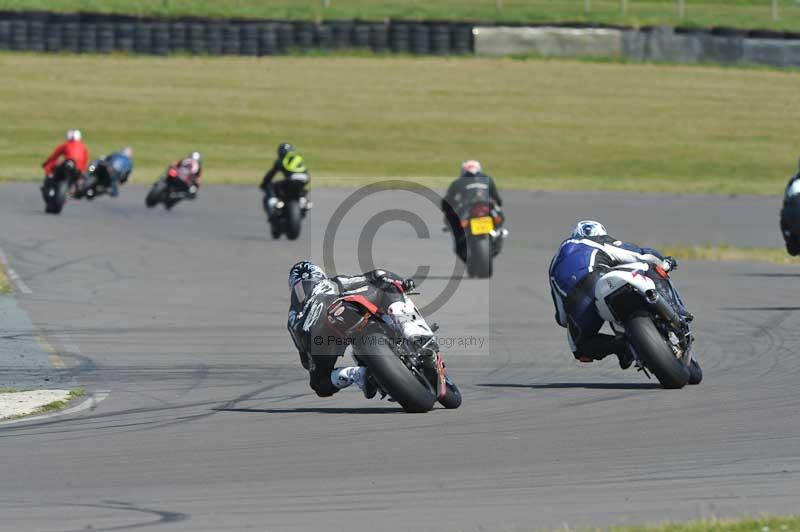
188,170
121,166
72,148
293,167
312,291
790,215
581,260
472,186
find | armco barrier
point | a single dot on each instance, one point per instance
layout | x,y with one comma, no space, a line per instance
96,33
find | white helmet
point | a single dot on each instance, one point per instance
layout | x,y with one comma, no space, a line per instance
586,228
76,135
127,152
196,156
471,167
70,134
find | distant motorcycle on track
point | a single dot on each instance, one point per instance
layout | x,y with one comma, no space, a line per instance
290,208
98,180
170,189
483,235
56,188
641,303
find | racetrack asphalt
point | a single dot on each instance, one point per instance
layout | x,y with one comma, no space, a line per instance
210,425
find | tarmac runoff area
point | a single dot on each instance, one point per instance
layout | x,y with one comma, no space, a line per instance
178,319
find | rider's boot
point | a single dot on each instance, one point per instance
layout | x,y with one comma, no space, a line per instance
344,377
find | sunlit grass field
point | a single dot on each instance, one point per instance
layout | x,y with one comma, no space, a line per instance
744,13
533,123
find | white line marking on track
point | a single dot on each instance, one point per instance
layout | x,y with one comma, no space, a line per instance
13,276
90,403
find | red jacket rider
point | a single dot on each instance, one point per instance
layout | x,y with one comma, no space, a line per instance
73,148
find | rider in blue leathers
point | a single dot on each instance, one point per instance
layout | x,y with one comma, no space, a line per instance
581,260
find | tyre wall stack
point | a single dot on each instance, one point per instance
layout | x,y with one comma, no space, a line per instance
98,33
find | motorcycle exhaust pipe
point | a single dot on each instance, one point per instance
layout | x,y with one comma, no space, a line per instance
661,306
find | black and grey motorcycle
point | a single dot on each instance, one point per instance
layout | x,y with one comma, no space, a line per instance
641,303
97,180
790,216
55,188
480,237
285,217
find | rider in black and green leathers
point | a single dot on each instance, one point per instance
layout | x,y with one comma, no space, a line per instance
293,167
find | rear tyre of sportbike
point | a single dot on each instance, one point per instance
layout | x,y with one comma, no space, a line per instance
155,196
55,203
479,257
393,376
451,399
654,351
695,373
792,245
275,228
293,219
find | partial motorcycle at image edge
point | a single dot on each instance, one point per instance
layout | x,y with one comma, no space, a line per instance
790,218
55,189
641,303
484,233
289,208
410,372
170,189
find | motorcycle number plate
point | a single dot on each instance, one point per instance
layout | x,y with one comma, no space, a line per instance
481,226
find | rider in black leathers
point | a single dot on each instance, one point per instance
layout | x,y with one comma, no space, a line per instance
312,291
472,186
292,165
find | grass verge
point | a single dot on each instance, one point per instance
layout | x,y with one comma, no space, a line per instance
725,253
5,285
59,405
762,524
534,124
743,13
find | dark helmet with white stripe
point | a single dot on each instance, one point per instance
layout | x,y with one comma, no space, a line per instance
305,270
586,228
283,149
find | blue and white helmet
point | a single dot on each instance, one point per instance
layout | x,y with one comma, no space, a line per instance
586,228
305,270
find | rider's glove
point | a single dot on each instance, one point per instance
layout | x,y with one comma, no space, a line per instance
670,264
409,285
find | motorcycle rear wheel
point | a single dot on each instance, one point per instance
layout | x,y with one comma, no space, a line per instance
479,257
655,353
293,219
375,352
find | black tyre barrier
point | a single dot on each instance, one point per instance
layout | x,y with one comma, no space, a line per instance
342,32
231,40
70,36
249,40
178,34
52,39
440,39
766,34
36,36
92,33
420,39
5,34
399,38
19,35
285,33
324,36
462,39
361,35
304,35
267,39
379,37
142,38
105,37
214,38
159,38
197,38
88,38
